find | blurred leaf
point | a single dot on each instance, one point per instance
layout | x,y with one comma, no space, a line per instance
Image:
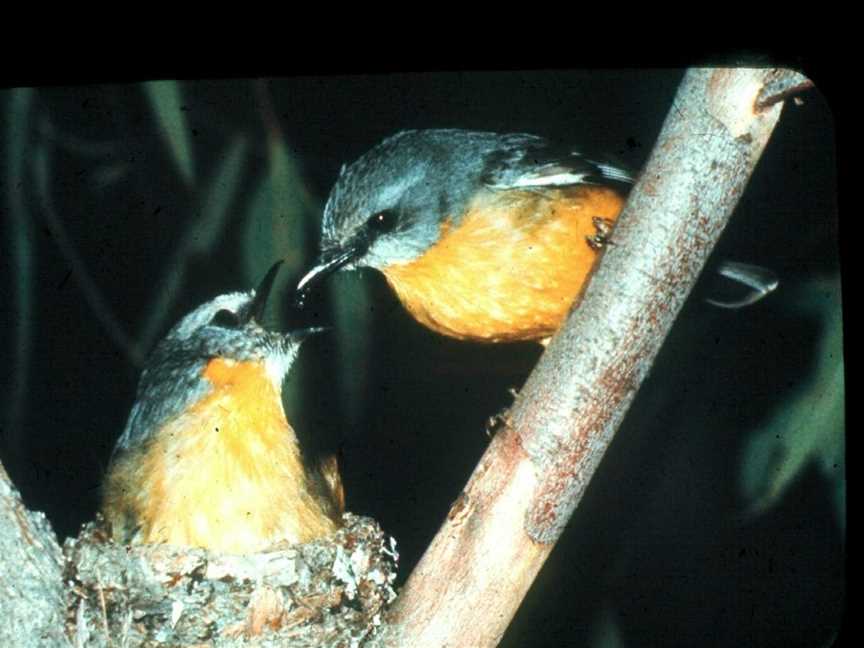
106,175
74,144
258,242
291,206
41,163
275,229
349,294
276,218
22,255
605,632
167,103
218,198
201,236
811,424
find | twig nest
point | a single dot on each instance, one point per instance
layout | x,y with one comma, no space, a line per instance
330,592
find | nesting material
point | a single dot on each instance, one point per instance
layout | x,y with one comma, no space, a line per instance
330,592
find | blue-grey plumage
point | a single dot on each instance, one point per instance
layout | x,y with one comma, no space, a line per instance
500,211
207,457
483,236
424,177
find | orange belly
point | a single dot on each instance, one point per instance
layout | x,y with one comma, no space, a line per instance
227,475
511,269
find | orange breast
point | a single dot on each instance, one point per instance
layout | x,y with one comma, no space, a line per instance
227,475
511,269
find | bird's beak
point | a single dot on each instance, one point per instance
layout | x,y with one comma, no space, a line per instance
262,292
326,264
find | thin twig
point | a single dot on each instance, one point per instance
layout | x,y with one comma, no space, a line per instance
786,85
104,616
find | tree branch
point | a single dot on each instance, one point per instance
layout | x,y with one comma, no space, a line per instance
498,533
32,606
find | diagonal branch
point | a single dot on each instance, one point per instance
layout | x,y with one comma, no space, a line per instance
475,573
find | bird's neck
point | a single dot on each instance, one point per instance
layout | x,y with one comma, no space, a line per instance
247,403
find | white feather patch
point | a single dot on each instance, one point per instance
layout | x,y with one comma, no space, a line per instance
553,180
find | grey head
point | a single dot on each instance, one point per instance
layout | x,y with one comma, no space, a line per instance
387,207
228,327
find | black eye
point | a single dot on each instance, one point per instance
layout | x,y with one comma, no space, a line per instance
382,222
226,319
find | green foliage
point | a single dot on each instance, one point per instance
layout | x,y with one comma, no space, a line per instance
218,196
203,232
20,250
271,207
353,317
166,102
809,428
276,218
606,632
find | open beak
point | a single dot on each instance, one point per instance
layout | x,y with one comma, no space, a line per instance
262,292
326,264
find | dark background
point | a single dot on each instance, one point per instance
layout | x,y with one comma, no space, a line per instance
667,548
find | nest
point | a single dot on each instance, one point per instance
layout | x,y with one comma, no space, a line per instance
330,592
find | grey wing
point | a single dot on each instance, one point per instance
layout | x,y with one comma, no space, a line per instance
161,397
531,162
